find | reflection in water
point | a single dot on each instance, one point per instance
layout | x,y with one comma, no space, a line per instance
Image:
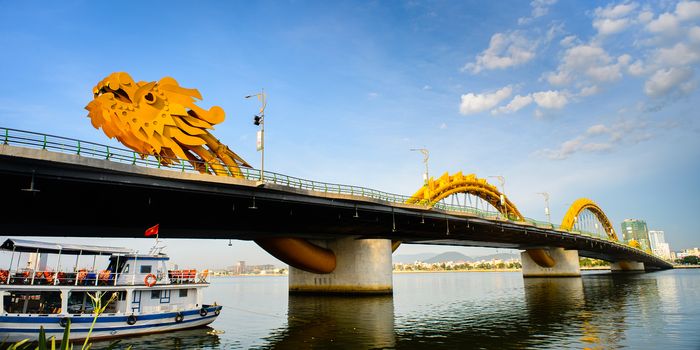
198,338
583,313
456,311
337,321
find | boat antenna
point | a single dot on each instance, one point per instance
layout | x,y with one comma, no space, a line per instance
157,248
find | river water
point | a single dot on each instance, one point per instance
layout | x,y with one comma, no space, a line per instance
487,310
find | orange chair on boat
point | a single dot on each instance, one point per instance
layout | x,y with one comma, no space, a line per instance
49,276
4,275
104,275
82,273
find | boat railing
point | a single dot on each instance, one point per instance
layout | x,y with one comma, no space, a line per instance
188,276
84,277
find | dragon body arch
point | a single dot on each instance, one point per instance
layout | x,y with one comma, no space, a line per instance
579,206
446,185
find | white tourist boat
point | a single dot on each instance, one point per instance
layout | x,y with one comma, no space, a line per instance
146,297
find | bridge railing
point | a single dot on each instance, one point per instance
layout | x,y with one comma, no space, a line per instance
66,145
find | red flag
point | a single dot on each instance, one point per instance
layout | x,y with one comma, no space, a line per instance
152,231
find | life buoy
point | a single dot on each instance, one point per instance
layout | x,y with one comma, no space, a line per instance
131,319
203,312
217,311
150,280
64,321
179,317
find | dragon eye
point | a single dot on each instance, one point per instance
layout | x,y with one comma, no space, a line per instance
150,99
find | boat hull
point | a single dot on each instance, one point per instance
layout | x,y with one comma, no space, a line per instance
19,327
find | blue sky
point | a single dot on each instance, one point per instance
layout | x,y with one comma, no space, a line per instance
578,99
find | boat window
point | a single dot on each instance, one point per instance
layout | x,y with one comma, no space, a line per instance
126,269
145,268
155,294
32,302
113,263
183,293
81,303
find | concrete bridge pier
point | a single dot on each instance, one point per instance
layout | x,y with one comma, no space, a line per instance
550,262
363,267
627,266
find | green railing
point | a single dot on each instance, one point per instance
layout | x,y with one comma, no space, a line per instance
66,145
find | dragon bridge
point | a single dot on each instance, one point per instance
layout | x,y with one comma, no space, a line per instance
162,119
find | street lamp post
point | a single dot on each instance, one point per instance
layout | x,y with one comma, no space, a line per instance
546,206
426,156
259,119
502,181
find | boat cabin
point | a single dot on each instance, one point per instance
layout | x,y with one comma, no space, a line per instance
129,283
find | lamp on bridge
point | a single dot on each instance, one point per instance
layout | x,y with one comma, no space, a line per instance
546,206
502,180
426,156
259,120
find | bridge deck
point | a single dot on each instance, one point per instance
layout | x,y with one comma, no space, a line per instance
82,196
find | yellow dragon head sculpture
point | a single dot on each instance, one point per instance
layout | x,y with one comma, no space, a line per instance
161,119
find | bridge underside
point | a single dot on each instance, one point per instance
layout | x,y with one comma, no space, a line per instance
83,197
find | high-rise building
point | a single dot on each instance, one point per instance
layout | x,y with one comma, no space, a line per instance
658,244
634,229
239,268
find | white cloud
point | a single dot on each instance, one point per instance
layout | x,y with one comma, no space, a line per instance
568,41
587,61
559,78
601,138
612,18
372,95
427,87
607,26
615,11
645,16
678,55
443,126
518,102
505,50
539,9
694,35
550,99
665,81
476,103
688,10
666,24
637,68
597,129
589,90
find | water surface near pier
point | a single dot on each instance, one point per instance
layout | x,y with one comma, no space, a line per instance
456,310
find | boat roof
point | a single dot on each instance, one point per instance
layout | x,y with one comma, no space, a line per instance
23,245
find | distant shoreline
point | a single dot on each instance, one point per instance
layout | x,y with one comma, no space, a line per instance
592,268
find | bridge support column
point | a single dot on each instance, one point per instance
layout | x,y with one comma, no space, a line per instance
550,262
627,266
363,267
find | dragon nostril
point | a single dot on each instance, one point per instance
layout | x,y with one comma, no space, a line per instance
149,98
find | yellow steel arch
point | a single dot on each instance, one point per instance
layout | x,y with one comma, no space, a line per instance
582,204
446,185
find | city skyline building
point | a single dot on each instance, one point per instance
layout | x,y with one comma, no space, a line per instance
659,246
636,229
